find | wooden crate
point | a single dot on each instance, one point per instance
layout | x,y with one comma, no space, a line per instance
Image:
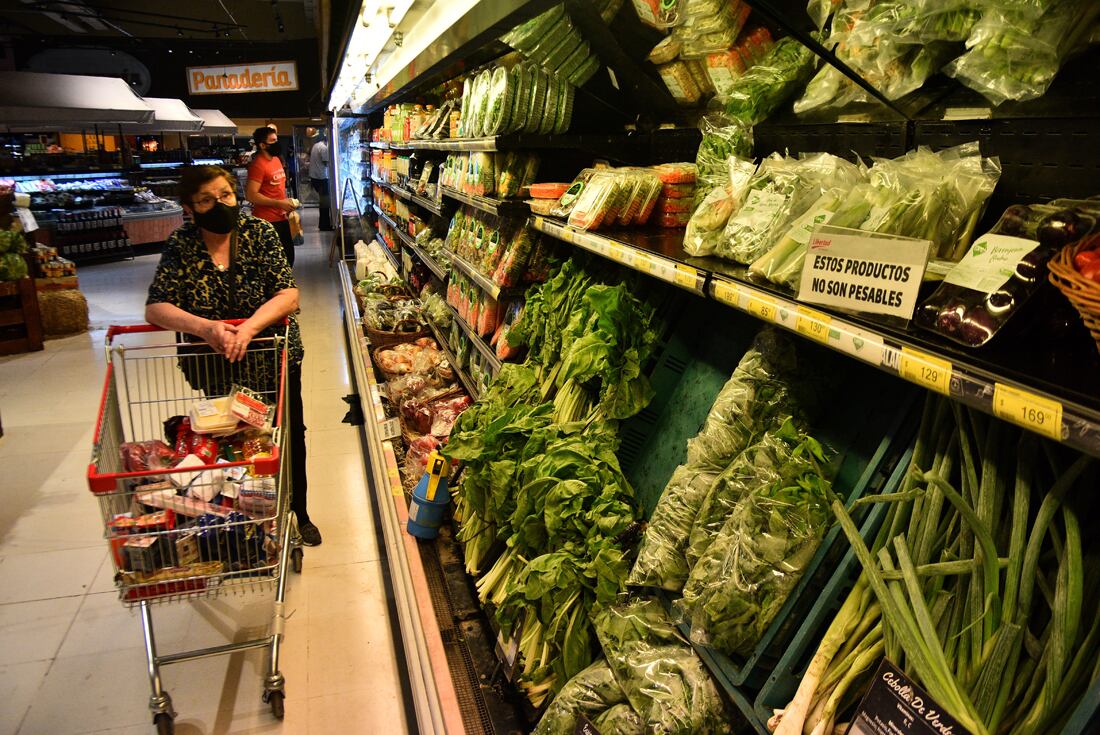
20,320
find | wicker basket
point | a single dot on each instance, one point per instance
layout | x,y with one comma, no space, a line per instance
1082,292
381,339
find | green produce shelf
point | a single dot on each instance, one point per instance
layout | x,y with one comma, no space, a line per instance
658,252
475,275
1027,386
487,352
498,207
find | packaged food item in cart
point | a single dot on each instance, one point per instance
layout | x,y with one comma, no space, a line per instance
205,447
149,455
143,554
212,416
249,406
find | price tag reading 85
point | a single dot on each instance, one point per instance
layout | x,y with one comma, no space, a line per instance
1041,415
931,372
762,307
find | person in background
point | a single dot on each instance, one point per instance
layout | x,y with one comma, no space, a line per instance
227,265
318,176
267,187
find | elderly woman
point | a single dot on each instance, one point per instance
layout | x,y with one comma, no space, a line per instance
229,266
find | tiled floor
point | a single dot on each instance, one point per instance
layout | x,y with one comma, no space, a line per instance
71,658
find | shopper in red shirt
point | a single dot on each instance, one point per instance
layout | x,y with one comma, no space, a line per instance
267,187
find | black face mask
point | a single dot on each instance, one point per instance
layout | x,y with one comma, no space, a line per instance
220,219
276,148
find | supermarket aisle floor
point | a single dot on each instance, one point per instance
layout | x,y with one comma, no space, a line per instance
72,660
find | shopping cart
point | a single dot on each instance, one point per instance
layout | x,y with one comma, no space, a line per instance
221,524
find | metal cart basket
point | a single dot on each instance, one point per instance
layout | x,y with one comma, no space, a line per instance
218,524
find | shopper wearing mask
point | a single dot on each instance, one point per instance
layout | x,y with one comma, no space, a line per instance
267,187
225,265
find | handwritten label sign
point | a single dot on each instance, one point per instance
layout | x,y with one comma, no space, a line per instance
895,704
863,272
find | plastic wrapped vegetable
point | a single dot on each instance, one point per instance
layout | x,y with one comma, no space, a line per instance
722,138
782,264
745,577
620,719
12,267
781,190
749,404
512,265
597,203
1014,53
665,681
764,87
758,465
1001,272
708,222
589,693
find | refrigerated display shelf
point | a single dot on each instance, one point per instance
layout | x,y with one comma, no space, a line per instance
1051,399
426,259
461,374
499,207
389,253
428,204
487,352
475,275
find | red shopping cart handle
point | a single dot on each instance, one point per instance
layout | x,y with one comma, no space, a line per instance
116,329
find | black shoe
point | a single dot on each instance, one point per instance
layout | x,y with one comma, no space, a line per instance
309,533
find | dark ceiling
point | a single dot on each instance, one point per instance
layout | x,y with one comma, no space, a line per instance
241,20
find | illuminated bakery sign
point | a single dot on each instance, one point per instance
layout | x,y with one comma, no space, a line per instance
267,76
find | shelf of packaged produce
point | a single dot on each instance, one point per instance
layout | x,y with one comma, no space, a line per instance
445,347
499,207
1045,390
479,344
426,259
658,252
475,275
920,359
432,689
428,204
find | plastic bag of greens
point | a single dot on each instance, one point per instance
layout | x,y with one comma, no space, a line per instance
750,569
723,138
784,452
620,719
761,89
708,222
664,679
12,267
745,408
782,264
781,191
1014,52
588,693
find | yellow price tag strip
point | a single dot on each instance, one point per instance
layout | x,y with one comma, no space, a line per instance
931,372
627,256
686,276
813,324
762,307
727,293
1041,415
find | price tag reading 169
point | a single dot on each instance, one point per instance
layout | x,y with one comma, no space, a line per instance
1041,415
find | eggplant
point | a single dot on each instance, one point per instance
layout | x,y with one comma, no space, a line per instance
1061,228
978,326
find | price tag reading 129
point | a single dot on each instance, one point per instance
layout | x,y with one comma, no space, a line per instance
931,372
1041,415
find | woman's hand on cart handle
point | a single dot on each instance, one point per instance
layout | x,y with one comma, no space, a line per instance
237,345
220,336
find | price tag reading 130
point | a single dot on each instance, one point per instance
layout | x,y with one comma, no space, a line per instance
1041,415
931,372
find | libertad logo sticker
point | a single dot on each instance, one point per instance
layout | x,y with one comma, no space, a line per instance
267,76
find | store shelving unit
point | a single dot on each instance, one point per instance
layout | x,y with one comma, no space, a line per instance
487,352
1043,403
475,275
403,193
445,347
498,207
389,253
427,260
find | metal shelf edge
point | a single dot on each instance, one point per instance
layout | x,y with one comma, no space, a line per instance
498,207
475,275
479,344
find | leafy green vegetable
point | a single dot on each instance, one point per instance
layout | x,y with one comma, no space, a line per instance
768,535
664,679
589,693
761,89
621,719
